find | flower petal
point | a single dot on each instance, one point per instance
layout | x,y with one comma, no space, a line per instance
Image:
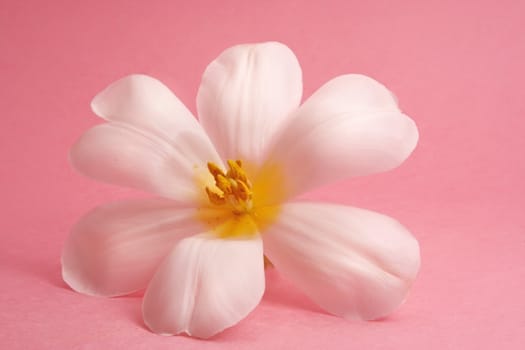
205,285
352,262
246,95
123,155
149,105
152,143
351,126
115,249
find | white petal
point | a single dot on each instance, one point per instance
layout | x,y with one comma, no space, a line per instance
205,285
246,95
115,249
148,105
352,262
152,123
120,154
351,126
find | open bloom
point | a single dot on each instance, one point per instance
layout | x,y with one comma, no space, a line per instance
228,185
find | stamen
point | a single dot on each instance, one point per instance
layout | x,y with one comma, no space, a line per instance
236,171
223,184
215,198
214,169
234,189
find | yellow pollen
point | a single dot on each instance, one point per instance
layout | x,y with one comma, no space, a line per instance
232,188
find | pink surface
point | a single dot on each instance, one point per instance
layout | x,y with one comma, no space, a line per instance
457,69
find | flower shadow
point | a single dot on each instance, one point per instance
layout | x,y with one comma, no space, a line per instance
280,292
45,270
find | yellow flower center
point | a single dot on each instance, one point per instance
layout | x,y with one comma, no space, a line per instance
234,189
236,207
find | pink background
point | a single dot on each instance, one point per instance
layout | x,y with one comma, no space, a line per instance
458,69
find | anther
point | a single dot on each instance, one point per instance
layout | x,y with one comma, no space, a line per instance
234,189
